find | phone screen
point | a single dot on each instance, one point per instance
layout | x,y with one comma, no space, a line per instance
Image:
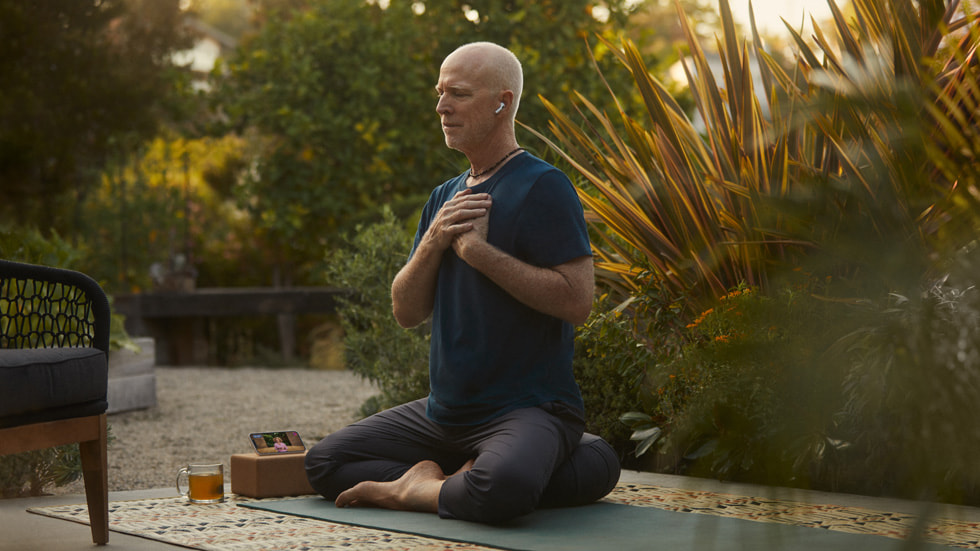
272,443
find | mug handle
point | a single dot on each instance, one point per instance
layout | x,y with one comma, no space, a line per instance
186,471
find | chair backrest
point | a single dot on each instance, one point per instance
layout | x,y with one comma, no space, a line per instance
43,307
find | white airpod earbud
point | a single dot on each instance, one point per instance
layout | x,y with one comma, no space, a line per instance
501,108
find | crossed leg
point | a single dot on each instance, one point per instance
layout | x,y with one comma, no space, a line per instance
396,459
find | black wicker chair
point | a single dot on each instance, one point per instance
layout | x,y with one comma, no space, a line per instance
54,351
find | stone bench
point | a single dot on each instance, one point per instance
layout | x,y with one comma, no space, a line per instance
177,321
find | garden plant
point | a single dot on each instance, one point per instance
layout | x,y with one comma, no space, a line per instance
793,288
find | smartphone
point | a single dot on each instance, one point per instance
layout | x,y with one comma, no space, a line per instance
278,442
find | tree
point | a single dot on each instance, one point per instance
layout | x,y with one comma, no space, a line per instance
80,78
230,16
167,205
334,97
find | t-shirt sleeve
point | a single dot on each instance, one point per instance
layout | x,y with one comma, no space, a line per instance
436,199
552,222
423,226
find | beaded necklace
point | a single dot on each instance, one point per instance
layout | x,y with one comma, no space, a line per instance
476,175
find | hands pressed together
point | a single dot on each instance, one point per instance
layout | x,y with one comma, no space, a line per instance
461,221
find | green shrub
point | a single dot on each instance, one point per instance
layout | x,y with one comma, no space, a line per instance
753,394
614,352
910,394
29,245
376,346
29,473
804,389
609,367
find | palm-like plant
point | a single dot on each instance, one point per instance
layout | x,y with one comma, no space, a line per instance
871,142
862,173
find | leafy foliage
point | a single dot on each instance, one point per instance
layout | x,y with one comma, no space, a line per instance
750,394
910,392
367,266
861,180
29,473
173,199
610,366
29,245
79,78
710,212
614,350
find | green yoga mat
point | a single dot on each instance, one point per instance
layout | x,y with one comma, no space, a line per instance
595,527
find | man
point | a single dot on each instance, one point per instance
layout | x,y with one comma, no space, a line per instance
503,266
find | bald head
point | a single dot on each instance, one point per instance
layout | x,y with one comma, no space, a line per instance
497,66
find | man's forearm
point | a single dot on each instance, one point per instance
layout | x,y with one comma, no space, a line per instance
564,291
413,289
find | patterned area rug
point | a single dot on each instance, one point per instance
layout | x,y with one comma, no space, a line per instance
853,520
227,527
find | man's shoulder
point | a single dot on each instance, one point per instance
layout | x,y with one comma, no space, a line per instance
545,178
536,165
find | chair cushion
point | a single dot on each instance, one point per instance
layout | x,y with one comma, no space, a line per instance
64,382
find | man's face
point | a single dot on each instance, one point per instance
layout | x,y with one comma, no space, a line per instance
466,106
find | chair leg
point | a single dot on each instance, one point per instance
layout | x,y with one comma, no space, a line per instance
95,470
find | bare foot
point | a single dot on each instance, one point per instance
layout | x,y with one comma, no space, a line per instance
416,490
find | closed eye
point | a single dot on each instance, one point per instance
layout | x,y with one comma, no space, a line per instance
454,92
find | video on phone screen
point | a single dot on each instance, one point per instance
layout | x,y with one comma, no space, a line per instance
277,442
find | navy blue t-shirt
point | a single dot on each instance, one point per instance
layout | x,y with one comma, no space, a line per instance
490,353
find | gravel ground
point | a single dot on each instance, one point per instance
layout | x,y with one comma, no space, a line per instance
205,415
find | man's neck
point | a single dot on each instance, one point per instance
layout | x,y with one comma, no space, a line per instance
487,157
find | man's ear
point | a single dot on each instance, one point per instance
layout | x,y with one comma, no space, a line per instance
506,99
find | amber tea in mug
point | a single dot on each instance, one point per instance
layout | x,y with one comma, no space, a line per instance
205,483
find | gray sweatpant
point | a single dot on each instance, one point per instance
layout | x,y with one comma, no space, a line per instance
527,458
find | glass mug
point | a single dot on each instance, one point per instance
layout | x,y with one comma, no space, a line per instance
205,483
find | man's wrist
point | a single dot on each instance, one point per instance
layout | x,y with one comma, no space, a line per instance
473,250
